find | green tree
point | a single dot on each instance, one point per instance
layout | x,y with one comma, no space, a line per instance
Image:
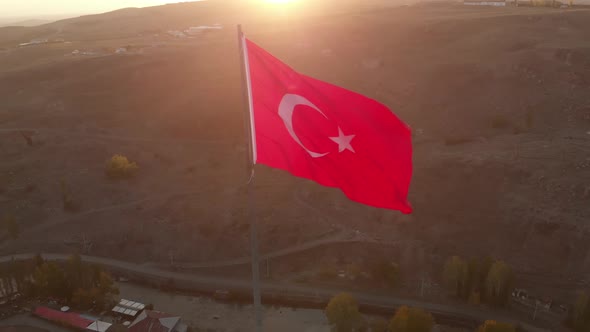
49,281
343,313
456,275
411,320
493,326
499,283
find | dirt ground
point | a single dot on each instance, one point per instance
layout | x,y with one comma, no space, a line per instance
497,99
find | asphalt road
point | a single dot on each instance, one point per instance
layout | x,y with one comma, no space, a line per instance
284,289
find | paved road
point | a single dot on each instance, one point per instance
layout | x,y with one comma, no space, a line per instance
278,288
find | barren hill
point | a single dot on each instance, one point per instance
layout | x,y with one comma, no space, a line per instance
498,99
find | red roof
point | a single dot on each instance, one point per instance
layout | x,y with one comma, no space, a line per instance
154,321
69,318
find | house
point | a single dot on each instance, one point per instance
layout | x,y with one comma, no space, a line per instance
156,321
128,308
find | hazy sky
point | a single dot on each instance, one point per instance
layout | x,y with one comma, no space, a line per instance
28,8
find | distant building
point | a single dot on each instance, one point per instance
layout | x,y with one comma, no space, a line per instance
71,320
493,3
156,321
128,308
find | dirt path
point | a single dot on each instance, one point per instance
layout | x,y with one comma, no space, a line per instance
68,132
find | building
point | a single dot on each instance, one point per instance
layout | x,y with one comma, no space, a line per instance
156,321
71,320
128,308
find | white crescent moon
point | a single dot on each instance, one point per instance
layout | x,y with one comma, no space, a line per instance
286,108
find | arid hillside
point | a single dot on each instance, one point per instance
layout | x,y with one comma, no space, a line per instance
498,99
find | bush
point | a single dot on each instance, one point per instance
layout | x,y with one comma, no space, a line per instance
343,313
411,320
119,167
69,204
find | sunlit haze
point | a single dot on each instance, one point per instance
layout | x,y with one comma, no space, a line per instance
32,8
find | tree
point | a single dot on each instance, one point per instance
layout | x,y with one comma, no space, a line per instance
85,298
343,313
499,283
455,274
38,260
580,313
49,281
69,204
411,320
119,167
493,326
386,272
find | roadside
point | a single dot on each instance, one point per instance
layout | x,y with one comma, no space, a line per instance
289,294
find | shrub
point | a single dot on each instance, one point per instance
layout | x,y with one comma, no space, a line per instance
411,320
69,204
119,167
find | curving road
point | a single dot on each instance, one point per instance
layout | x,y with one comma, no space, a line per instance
278,288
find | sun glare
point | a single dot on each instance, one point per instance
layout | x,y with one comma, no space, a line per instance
279,1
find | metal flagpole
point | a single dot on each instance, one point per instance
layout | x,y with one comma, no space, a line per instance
251,148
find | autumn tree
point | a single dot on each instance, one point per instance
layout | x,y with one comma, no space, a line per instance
579,316
89,286
119,167
408,319
499,283
343,313
456,274
493,326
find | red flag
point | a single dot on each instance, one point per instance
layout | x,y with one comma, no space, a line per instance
325,133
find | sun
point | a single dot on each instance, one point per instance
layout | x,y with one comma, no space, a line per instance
279,1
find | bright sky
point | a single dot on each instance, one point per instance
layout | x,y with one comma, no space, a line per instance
29,8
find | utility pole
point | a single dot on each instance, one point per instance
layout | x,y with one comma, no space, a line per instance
535,312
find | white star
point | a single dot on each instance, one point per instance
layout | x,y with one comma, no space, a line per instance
343,141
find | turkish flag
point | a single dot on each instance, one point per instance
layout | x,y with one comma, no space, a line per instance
327,134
